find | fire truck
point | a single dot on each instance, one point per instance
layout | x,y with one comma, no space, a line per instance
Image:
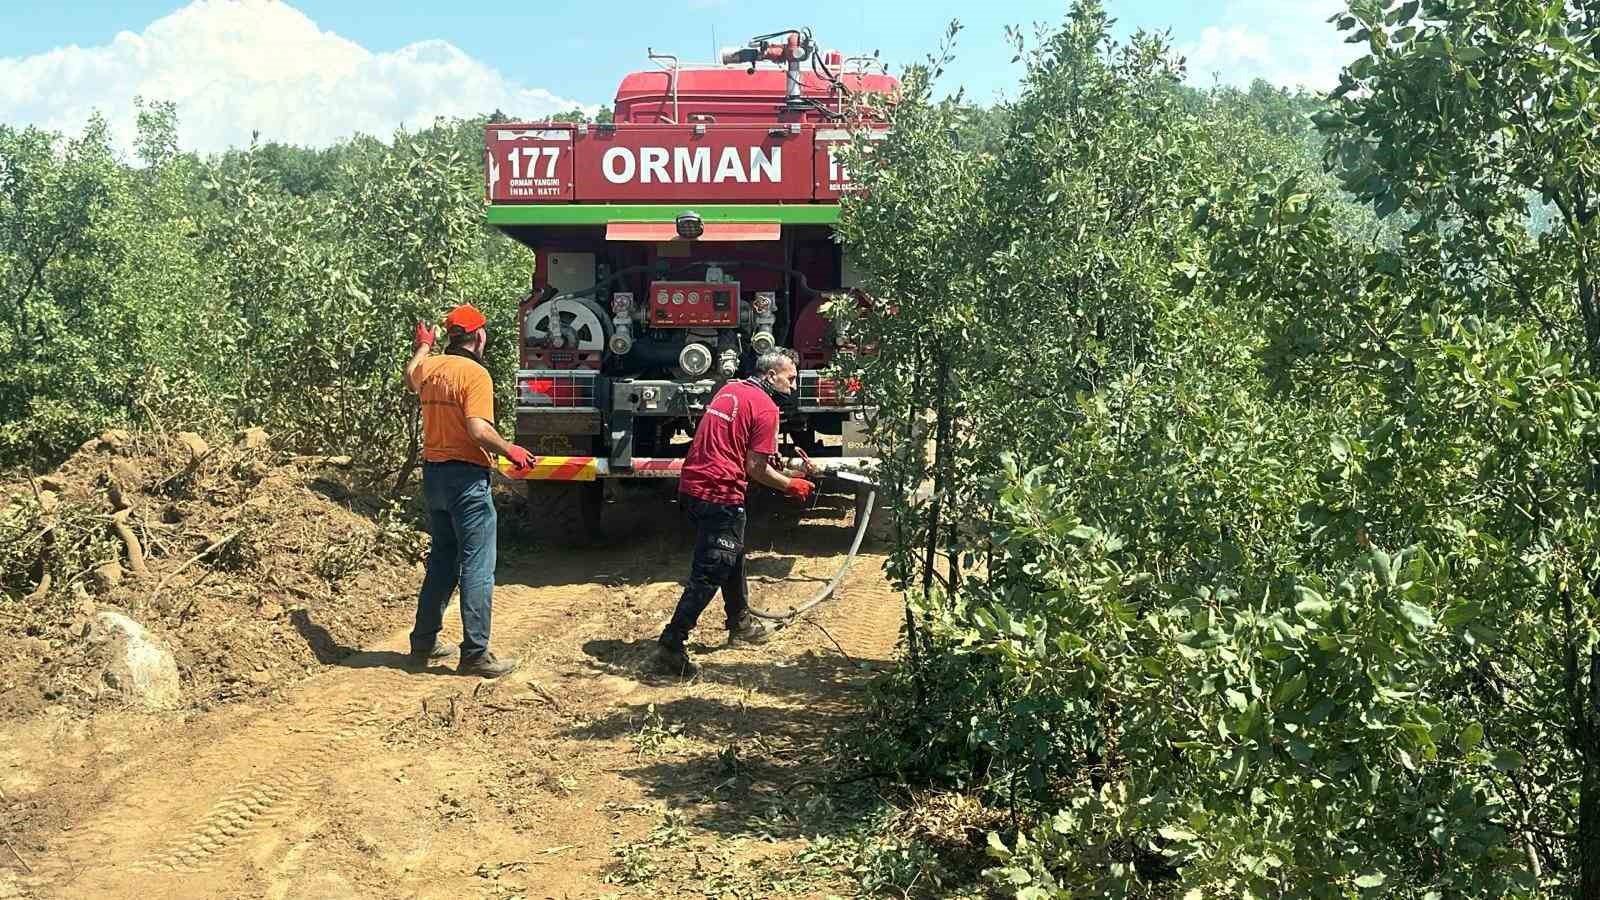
671,246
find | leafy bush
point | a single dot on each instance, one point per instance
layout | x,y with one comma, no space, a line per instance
1258,551
210,293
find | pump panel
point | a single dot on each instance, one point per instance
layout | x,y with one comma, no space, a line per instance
694,304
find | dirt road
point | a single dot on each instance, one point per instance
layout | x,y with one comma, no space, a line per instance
578,776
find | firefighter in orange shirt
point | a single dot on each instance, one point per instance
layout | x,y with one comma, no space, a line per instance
459,440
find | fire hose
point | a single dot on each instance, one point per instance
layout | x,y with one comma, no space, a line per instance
863,518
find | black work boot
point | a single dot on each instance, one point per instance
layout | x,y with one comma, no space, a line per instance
672,660
750,630
438,654
486,665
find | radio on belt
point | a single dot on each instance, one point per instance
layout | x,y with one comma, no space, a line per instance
694,304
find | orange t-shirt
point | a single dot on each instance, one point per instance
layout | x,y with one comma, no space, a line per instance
454,389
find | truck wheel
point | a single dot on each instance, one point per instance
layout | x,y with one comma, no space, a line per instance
564,512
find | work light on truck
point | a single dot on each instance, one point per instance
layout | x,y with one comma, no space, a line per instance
689,225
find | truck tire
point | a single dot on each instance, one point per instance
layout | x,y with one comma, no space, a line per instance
563,513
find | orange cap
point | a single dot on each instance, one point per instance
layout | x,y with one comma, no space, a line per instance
466,318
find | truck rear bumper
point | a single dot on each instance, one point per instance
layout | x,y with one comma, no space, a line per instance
857,469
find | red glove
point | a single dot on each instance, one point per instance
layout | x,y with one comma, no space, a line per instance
799,489
424,336
520,457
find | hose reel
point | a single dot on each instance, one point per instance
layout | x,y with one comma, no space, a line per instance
568,323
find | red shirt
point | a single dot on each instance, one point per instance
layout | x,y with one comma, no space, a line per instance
740,419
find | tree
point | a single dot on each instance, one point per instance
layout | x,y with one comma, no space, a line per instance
57,261
1264,507
274,285
1459,112
578,116
1462,110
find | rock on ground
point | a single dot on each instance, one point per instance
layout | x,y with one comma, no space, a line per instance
195,444
254,439
139,665
116,440
107,576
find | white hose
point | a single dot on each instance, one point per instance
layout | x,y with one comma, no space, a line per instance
862,519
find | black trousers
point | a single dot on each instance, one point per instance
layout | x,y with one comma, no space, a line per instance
718,564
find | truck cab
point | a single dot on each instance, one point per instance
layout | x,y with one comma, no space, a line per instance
671,246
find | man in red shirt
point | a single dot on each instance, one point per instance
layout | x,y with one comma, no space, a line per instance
733,443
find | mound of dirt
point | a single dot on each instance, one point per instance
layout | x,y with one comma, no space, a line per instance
254,566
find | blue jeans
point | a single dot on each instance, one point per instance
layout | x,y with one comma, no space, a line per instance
461,520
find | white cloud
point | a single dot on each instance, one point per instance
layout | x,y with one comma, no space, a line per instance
236,66
1287,43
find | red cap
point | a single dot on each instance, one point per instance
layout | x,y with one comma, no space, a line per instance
466,318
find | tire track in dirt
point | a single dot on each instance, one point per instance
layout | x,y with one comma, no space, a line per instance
116,839
253,804
867,617
146,833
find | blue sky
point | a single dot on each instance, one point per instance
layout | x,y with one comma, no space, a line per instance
294,69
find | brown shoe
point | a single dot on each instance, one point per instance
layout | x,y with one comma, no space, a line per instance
486,665
438,654
750,630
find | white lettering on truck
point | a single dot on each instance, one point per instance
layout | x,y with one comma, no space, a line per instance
653,161
692,165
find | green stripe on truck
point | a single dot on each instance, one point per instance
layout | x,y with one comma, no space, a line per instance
606,213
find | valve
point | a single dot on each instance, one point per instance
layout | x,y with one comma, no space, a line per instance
621,323
765,307
796,47
695,359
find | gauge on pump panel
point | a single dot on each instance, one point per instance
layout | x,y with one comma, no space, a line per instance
677,298
694,297
661,299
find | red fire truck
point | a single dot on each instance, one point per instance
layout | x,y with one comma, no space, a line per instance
672,245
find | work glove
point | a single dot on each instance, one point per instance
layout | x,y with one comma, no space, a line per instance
520,457
424,336
799,489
